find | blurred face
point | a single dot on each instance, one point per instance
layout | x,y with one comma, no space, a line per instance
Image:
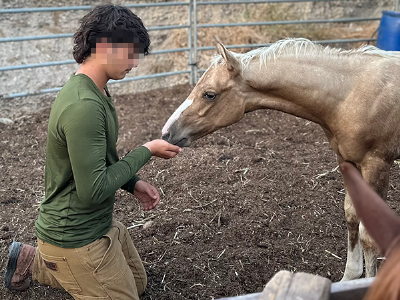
118,58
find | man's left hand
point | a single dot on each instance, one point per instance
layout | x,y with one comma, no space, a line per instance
146,194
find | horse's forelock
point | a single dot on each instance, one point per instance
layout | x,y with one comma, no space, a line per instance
217,60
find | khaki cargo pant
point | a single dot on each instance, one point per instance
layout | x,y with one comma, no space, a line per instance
109,268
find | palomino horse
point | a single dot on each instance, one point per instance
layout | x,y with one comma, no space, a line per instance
353,95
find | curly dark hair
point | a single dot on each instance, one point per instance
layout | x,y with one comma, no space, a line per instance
111,21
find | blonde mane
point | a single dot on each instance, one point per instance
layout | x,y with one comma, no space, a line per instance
301,47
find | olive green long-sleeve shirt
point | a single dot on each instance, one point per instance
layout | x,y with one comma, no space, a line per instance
83,170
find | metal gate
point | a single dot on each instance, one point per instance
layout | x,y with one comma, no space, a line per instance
193,26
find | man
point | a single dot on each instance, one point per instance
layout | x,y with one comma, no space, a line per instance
80,247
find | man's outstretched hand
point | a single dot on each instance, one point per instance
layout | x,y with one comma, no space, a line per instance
146,194
163,149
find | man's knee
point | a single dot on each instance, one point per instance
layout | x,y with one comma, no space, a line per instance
142,286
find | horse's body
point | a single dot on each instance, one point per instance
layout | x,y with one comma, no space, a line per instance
353,95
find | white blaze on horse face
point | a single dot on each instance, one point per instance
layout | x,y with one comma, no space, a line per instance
176,115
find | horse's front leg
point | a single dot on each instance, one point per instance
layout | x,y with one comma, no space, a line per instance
354,262
375,172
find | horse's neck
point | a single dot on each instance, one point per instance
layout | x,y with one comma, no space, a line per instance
308,88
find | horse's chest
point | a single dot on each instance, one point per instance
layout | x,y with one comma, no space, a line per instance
347,147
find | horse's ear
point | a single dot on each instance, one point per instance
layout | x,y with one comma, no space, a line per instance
379,219
230,60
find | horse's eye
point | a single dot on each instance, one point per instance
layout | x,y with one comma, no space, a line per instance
209,96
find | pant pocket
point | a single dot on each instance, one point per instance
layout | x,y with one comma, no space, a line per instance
96,252
60,269
108,259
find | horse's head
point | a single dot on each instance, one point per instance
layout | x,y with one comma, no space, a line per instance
215,102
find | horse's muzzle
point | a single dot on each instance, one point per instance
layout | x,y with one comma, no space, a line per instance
184,142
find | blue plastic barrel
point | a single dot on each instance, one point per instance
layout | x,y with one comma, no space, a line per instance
389,31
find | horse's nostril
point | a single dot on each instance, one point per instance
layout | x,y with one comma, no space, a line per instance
165,137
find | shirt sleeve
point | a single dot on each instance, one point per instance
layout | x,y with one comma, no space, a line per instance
130,185
84,127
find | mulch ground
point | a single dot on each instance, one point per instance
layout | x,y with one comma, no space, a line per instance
239,205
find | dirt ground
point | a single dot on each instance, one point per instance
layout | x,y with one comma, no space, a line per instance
239,205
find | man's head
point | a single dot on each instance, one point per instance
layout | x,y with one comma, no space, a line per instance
114,36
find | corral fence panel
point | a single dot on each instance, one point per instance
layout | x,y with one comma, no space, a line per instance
193,26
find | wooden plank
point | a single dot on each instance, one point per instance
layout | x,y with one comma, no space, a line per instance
296,286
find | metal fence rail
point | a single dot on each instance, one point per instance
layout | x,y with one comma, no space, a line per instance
287,22
192,26
127,79
87,7
66,62
70,35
